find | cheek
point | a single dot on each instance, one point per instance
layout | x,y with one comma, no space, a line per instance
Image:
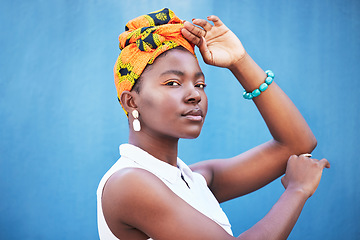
170,105
204,102
159,104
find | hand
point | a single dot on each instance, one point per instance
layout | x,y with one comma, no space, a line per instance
217,44
304,173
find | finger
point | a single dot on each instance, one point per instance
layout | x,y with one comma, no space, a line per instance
283,181
205,52
194,30
216,20
324,163
190,37
292,157
306,155
202,23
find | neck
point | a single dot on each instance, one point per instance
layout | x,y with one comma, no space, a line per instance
164,148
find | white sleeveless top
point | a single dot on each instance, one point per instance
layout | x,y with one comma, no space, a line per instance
198,195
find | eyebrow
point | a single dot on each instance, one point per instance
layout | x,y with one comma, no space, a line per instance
180,73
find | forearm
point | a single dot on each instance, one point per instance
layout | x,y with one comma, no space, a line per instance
283,119
280,220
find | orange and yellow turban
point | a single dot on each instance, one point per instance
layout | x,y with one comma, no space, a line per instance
144,39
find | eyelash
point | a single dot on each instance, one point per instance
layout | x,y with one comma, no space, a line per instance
171,83
201,85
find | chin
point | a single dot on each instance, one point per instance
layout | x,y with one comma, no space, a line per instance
191,135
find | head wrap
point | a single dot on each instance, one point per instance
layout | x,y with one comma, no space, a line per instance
144,39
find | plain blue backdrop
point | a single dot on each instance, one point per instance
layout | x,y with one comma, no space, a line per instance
61,124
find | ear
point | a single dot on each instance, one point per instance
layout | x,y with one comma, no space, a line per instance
127,100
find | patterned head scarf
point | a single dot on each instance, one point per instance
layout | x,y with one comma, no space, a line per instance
144,39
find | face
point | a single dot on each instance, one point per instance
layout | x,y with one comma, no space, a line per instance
172,101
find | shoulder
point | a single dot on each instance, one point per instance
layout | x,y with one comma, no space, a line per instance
137,204
132,193
129,174
129,181
130,196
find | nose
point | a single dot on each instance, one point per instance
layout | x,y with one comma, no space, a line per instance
193,95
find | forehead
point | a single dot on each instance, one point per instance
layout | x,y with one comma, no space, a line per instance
175,59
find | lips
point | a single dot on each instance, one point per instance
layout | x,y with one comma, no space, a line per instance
194,115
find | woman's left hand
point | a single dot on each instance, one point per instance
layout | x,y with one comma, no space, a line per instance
217,44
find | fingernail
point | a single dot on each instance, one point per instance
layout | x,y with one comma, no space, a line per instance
306,155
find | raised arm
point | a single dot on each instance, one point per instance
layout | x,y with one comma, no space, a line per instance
137,205
230,178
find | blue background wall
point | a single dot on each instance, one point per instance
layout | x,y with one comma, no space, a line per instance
60,122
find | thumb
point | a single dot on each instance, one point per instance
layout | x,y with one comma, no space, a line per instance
324,163
205,52
283,181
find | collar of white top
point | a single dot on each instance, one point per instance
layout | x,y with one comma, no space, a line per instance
158,167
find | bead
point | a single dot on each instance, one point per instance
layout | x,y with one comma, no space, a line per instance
256,93
270,73
263,87
247,95
269,80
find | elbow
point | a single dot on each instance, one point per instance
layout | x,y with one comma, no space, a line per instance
311,144
306,145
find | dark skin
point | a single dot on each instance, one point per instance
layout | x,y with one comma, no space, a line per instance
172,104
171,87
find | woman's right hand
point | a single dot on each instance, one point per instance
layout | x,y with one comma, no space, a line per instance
304,173
218,45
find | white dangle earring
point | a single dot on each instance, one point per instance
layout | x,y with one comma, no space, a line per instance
136,122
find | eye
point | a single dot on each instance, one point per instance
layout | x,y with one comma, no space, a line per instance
171,83
200,85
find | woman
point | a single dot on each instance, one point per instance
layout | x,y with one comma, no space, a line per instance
149,192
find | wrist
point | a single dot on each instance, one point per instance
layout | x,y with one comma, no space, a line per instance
239,63
248,73
298,191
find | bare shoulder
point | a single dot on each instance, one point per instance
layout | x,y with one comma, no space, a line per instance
131,183
128,179
138,205
125,194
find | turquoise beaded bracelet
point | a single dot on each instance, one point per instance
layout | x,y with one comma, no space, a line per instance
262,88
